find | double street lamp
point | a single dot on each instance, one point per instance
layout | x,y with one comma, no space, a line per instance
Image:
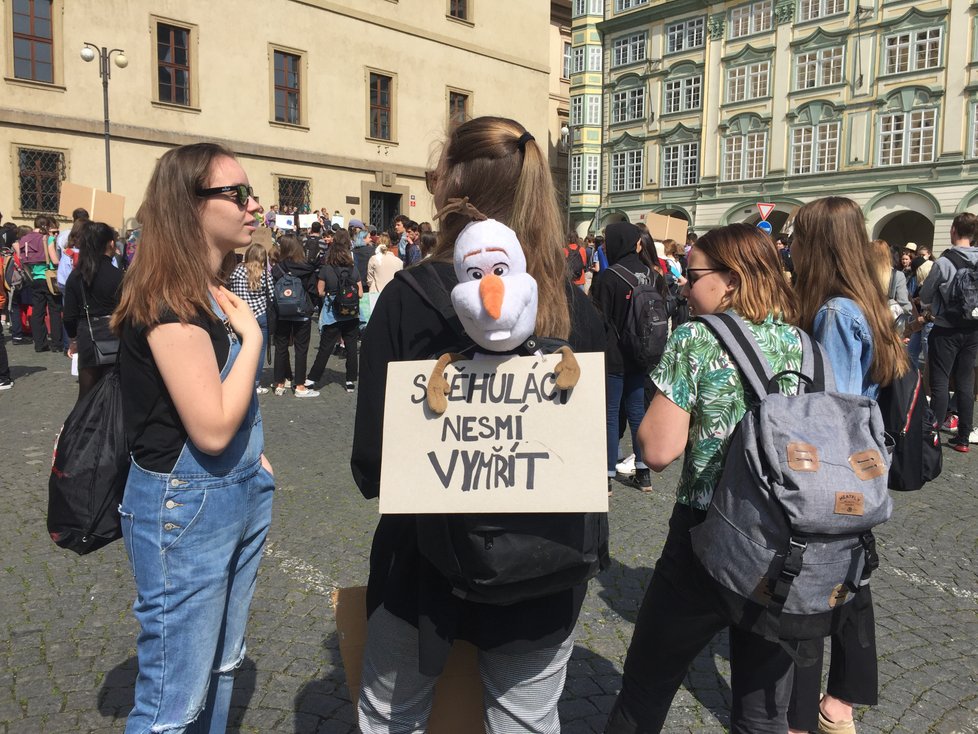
89,53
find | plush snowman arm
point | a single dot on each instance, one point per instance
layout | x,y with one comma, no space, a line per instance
438,386
568,371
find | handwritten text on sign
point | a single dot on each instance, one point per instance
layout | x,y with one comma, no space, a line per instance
510,440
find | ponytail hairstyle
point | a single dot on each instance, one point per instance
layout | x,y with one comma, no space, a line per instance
833,258
498,165
92,242
173,271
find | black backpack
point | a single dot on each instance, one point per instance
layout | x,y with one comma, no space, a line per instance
89,472
646,330
575,264
315,248
505,558
292,303
911,426
346,300
961,304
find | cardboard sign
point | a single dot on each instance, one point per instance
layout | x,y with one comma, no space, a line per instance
510,441
101,206
285,221
457,705
306,220
338,219
666,228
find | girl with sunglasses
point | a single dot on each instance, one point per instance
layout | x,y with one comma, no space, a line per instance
699,401
198,500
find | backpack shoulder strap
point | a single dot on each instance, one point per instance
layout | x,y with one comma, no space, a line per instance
735,337
429,285
626,275
957,259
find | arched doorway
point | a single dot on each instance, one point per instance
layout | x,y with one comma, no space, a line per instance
777,220
900,228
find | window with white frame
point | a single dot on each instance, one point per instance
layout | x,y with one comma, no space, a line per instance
749,81
974,131
907,137
819,68
685,34
912,51
568,55
588,7
592,109
815,148
629,49
578,66
594,58
577,110
680,164
747,20
592,172
744,156
621,5
575,174
812,9
626,171
628,105
683,95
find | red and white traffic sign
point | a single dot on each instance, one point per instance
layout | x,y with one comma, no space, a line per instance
765,210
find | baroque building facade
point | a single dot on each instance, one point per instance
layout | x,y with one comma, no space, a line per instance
707,109
329,103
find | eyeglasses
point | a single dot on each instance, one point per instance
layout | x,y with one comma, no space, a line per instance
692,279
241,192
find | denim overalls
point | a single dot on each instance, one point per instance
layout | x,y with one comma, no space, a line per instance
194,538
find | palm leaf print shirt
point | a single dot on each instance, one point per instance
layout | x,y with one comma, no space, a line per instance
698,375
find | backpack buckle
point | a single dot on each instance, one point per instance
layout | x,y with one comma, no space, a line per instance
792,562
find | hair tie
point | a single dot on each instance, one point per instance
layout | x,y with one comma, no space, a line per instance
460,206
521,143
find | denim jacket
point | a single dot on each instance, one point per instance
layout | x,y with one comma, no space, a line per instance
841,329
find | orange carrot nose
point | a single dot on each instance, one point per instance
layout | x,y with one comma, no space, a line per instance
491,290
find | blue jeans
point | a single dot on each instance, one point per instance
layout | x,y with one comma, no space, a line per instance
631,386
263,323
194,538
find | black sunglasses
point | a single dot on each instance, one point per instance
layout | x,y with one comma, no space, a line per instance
241,192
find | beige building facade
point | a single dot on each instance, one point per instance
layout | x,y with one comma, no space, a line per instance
329,103
708,109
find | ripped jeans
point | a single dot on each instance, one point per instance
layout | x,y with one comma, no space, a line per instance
194,541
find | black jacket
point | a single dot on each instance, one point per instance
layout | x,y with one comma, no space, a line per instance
404,327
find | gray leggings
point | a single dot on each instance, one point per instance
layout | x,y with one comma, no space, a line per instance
521,691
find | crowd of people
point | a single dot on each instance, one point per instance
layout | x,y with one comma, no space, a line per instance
196,309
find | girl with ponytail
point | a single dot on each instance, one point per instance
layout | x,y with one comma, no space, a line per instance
494,166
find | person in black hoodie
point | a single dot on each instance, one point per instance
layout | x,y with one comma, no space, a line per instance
413,617
292,260
611,291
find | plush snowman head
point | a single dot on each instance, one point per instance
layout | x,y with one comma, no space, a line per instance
495,299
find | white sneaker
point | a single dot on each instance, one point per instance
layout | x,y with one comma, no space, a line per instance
626,466
261,390
307,393
308,383
973,438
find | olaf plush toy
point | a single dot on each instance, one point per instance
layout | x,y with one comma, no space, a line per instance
496,302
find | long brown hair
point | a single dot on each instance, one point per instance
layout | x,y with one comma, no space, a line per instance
484,160
172,272
763,289
339,253
255,262
833,258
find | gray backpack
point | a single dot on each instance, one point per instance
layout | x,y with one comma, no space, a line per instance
788,536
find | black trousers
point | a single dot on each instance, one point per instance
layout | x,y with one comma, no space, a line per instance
4,364
44,301
349,329
853,675
953,352
678,617
298,332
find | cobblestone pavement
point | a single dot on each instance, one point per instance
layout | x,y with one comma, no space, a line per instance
67,649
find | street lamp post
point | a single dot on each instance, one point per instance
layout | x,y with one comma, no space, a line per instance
88,53
565,141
